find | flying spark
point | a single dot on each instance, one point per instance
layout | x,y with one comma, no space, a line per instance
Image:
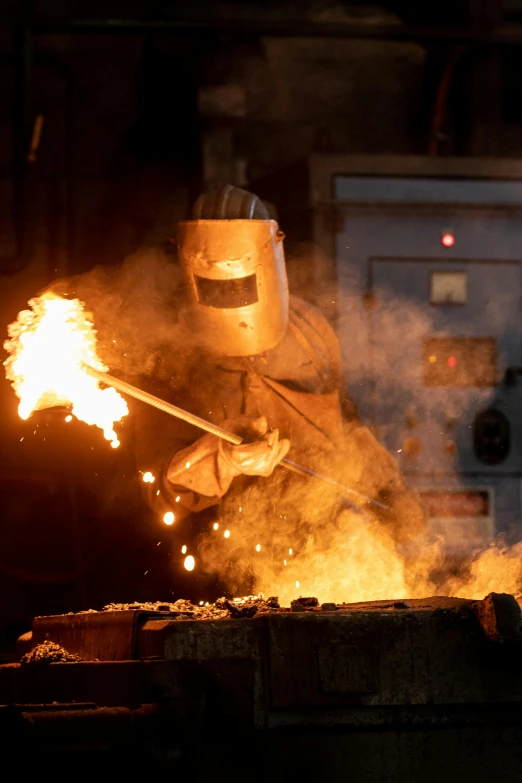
227,533
189,563
184,550
169,518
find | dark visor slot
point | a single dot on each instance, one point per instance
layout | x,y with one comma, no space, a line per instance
224,294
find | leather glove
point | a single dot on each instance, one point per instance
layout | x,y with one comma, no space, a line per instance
261,450
209,465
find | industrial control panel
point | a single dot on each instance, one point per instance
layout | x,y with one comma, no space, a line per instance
426,265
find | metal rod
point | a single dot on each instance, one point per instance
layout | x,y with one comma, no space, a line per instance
207,426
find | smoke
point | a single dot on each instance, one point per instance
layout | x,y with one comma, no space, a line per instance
137,310
292,536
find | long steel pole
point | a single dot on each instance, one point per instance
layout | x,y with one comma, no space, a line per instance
207,426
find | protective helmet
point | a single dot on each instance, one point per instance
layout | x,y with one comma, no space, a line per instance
233,259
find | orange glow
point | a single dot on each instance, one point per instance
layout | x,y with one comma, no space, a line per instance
362,564
49,347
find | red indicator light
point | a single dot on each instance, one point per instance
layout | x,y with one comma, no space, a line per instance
452,361
448,240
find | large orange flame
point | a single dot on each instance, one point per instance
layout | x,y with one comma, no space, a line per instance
49,347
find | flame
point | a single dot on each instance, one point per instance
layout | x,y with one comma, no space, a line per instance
49,347
497,569
362,564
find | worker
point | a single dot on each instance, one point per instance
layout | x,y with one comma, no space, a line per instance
268,369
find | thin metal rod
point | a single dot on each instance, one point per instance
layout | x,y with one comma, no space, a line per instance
207,426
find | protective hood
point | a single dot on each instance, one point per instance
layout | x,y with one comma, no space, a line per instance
237,285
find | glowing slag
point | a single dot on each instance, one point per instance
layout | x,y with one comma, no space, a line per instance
49,347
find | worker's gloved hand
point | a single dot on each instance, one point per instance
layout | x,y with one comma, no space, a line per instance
209,465
261,450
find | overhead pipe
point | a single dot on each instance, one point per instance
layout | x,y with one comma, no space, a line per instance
294,28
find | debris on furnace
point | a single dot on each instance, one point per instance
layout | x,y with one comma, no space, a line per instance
249,606
49,652
304,604
222,609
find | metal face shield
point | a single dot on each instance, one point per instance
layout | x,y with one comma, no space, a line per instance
237,285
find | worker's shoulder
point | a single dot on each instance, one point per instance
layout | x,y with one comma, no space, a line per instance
304,312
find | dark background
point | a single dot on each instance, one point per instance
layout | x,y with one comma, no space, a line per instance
143,106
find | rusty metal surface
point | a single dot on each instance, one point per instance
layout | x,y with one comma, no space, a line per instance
499,616
102,636
411,652
120,741
394,691
108,684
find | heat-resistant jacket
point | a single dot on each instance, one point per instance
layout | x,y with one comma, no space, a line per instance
298,387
